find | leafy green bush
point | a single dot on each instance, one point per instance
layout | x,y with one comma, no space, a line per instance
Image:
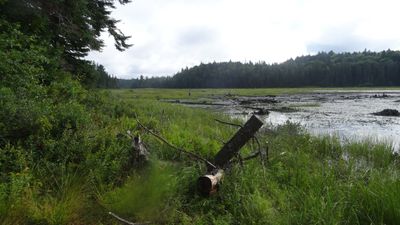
19,116
24,60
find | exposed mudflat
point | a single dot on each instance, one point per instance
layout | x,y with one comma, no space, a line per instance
348,115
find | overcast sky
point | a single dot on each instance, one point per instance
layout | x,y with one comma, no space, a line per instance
171,34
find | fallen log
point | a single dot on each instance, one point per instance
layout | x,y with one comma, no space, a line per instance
208,184
233,146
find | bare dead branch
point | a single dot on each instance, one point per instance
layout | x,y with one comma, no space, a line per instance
176,148
262,155
252,156
126,221
227,123
240,159
258,142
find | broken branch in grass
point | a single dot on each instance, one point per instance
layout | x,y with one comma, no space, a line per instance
252,156
126,221
227,123
176,148
258,142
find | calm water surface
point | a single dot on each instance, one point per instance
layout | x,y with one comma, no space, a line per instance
347,115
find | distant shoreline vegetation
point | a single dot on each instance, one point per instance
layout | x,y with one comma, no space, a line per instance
325,69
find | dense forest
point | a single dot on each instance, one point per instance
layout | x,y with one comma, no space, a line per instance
52,118
322,70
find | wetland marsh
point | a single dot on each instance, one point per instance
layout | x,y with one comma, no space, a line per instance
346,114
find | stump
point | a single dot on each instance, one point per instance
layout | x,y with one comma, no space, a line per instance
140,153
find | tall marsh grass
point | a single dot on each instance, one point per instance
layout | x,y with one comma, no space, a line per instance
307,180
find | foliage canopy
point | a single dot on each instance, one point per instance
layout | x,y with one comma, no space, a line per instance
75,26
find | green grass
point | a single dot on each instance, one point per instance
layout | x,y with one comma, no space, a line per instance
202,93
304,105
307,180
151,93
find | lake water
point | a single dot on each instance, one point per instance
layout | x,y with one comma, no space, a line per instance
347,115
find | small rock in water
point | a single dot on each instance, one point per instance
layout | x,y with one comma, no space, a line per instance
388,112
261,112
245,102
384,95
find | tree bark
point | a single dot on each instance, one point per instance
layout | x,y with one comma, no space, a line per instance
233,146
208,184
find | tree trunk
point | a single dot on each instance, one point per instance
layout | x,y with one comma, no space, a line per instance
208,184
232,147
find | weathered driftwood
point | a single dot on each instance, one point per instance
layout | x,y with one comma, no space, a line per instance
208,184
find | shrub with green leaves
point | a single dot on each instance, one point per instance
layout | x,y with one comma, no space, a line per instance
24,60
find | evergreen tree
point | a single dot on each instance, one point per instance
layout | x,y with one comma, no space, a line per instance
324,70
74,26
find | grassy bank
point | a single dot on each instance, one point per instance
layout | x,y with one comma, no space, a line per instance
307,180
151,93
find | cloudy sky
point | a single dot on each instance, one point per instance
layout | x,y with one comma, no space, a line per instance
171,34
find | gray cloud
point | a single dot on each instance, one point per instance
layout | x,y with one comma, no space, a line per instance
196,36
344,39
170,35
338,39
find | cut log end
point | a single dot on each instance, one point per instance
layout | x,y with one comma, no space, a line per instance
208,184
205,185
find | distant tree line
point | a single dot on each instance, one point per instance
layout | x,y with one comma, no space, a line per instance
146,82
93,75
325,69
